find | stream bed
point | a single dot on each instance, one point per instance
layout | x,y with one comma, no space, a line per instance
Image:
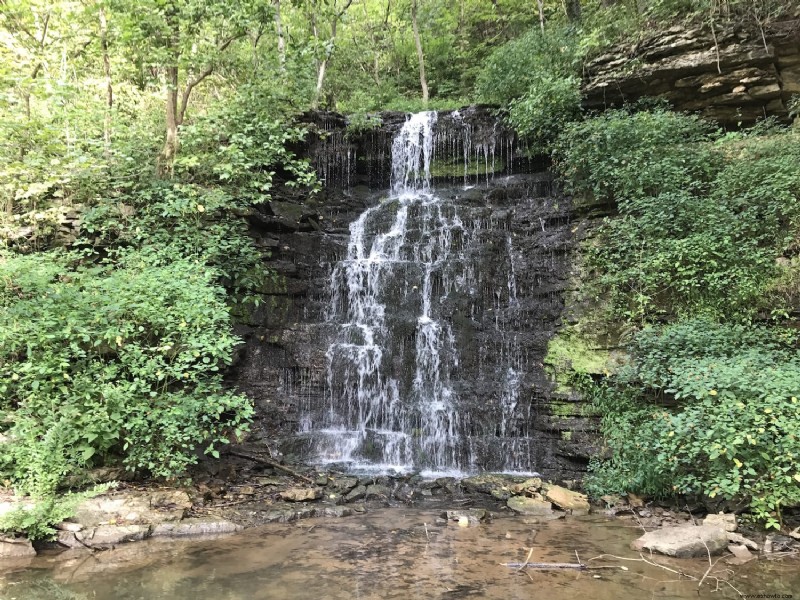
390,553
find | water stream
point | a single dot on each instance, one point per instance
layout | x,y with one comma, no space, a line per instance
399,553
392,397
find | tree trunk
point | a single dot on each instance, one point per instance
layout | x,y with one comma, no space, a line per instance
423,82
171,142
109,88
171,118
320,80
541,14
279,31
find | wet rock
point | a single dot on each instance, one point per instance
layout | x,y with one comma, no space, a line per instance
405,492
444,482
356,493
528,486
321,480
301,494
195,527
501,494
529,506
778,543
484,484
377,492
466,516
342,485
285,513
16,547
685,541
333,511
447,486
565,499
737,538
108,536
726,521
741,555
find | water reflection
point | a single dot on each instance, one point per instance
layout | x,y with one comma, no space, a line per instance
391,553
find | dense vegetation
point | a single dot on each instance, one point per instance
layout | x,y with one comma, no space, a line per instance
700,266
137,134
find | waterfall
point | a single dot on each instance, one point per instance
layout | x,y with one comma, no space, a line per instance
391,399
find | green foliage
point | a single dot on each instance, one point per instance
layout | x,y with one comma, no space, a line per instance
536,76
243,146
103,362
701,222
736,434
552,102
513,69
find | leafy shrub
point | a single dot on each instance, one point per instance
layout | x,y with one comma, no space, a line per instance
537,77
101,363
244,146
551,103
170,221
701,222
736,433
517,66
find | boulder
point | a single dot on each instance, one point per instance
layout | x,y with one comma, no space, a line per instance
736,538
357,493
132,506
529,506
726,521
565,499
534,484
685,541
16,547
377,492
298,494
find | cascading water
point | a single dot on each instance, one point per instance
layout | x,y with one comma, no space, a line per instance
392,398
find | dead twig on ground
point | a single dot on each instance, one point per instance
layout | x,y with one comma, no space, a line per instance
271,463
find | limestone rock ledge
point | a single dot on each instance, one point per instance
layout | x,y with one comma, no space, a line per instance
732,75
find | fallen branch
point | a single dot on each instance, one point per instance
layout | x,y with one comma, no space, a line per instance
527,565
271,463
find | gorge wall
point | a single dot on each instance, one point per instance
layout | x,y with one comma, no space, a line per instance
731,75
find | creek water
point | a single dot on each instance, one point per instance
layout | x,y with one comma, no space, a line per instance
395,553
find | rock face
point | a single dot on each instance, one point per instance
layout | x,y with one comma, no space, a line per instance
515,223
738,78
12,547
687,541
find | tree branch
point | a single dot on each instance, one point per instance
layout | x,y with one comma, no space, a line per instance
194,82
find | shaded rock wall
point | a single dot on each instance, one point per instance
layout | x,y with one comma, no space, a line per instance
283,362
732,75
